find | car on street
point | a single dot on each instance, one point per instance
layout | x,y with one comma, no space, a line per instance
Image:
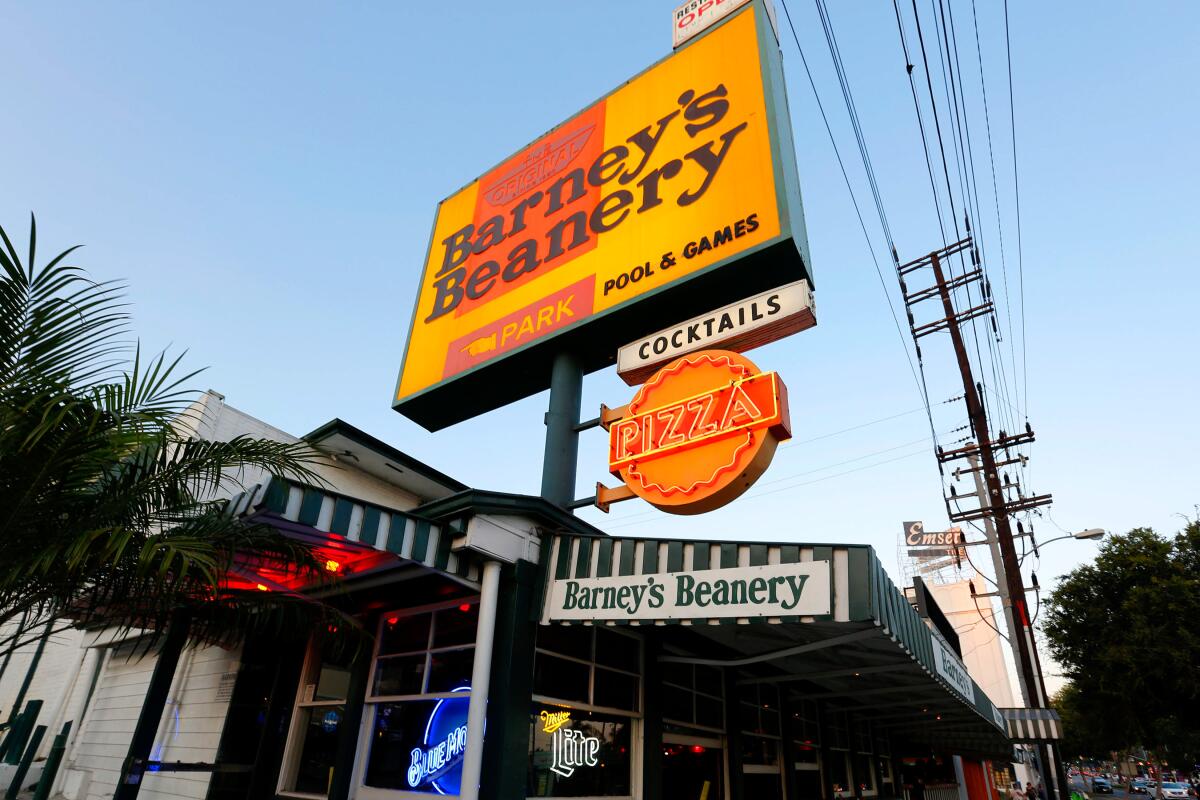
1101,786
1175,791
1139,787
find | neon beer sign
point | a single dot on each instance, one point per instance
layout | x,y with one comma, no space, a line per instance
437,764
569,749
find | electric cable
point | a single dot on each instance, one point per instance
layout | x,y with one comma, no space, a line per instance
857,210
987,118
1012,108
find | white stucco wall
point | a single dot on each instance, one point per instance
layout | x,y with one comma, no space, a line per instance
982,648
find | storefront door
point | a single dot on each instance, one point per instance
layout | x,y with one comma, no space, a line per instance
693,768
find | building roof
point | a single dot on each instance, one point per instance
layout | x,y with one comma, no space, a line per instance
378,458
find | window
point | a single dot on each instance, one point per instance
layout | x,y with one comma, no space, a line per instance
839,731
806,727
806,742
864,775
316,724
419,694
758,712
587,685
839,774
588,666
887,783
694,695
423,654
576,753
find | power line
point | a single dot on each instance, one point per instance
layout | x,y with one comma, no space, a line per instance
987,118
1012,108
857,210
794,442
632,521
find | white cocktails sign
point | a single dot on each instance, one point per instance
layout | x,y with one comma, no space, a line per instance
740,326
777,590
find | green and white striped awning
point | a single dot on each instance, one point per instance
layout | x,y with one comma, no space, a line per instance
869,619
1033,725
413,538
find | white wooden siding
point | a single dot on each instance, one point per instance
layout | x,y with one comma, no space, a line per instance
190,729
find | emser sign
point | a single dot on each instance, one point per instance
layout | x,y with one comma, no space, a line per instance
801,589
641,200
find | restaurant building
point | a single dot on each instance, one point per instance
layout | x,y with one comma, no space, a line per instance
521,652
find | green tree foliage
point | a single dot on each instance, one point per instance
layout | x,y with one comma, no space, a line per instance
1126,630
109,510
1089,732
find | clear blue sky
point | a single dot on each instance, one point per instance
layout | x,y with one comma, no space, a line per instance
264,175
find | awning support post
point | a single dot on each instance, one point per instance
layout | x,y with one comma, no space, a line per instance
480,678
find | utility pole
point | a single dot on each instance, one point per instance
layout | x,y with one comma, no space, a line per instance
995,506
997,560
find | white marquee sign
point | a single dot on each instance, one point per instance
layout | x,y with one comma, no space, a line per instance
778,590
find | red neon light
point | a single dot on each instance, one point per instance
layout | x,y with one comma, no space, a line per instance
696,748
392,620
465,607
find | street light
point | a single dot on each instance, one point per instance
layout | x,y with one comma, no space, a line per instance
1091,533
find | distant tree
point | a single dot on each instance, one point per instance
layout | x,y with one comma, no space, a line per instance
1126,630
1090,732
109,511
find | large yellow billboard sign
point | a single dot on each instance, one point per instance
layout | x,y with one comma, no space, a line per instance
655,197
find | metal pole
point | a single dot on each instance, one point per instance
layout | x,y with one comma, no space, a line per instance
562,436
480,678
64,697
18,779
134,767
1001,579
53,760
32,669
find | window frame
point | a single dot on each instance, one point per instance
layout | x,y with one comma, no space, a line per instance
593,665
377,658
294,746
695,694
636,718
371,702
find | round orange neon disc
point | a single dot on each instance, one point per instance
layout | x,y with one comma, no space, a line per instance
699,432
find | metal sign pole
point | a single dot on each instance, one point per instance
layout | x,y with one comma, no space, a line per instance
562,430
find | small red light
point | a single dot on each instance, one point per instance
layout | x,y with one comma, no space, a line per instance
392,620
696,748
465,607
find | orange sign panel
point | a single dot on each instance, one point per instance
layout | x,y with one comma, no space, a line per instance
700,432
685,169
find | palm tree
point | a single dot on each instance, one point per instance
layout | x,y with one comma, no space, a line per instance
110,512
